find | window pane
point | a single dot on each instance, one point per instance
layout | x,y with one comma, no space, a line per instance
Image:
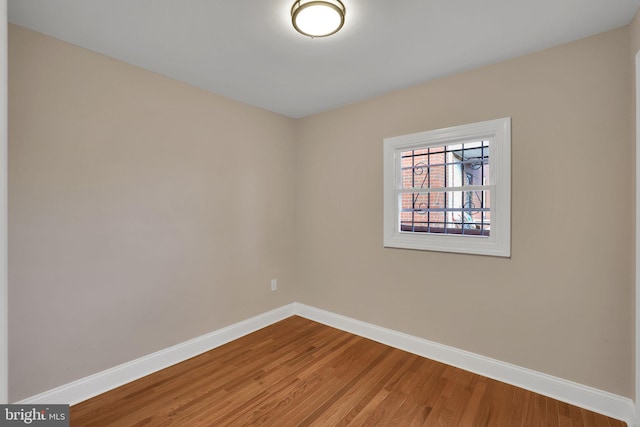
446,212
454,165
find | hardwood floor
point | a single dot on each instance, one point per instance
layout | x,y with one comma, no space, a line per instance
301,373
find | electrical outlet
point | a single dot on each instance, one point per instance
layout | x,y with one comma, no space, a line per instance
274,285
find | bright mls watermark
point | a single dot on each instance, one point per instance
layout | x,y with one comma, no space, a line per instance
34,415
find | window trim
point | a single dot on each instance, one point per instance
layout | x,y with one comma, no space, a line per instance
498,243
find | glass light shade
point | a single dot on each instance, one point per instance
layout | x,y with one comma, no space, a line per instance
317,18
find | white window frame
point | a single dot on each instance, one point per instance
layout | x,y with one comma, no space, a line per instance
498,243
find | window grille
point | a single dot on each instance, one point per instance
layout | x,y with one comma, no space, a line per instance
455,202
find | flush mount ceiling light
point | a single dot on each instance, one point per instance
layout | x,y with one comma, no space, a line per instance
317,18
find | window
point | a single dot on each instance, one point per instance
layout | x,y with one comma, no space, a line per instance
449,189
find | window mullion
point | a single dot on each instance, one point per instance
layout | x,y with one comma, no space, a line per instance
443,189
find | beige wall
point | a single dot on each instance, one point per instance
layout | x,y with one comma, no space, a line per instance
634,33
563,303
634,30
143,212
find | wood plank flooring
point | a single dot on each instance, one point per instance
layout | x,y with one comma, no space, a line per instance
301,373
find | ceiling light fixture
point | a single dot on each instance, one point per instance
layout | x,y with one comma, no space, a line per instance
317,18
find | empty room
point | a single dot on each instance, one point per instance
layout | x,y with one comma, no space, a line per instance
354,212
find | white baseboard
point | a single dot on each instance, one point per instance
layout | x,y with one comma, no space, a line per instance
90,386
609,404
603,402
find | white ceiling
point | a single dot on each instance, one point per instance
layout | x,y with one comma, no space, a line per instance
248,50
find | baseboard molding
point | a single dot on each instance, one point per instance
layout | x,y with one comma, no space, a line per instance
609,404
603,402
90,386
